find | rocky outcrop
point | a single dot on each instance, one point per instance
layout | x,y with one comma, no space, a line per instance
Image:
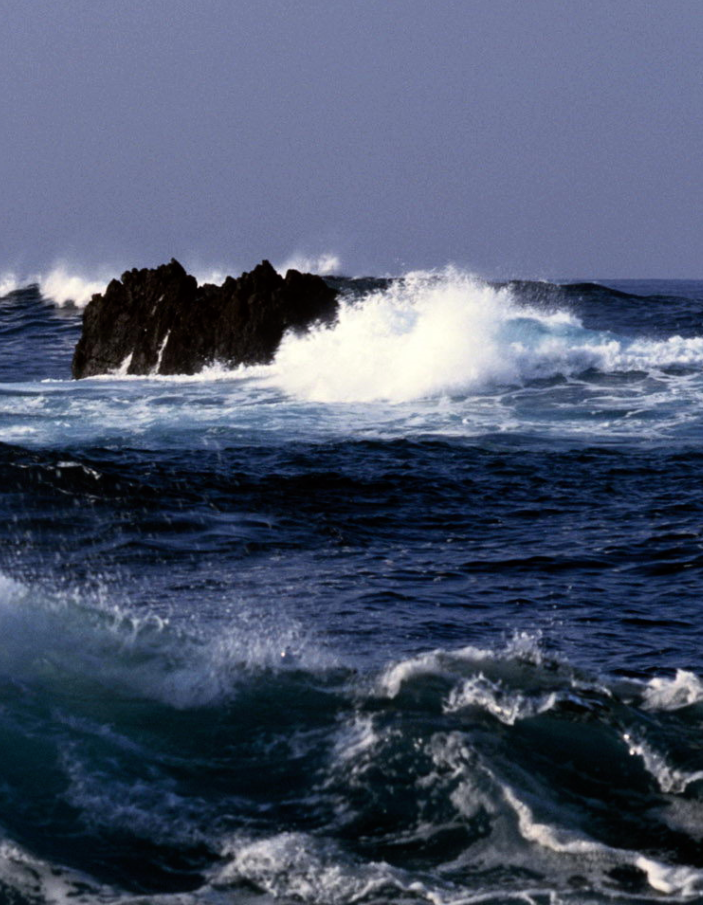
159,321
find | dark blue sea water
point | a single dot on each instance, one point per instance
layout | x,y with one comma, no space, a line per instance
412,615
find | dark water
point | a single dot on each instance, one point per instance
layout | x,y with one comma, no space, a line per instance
412,615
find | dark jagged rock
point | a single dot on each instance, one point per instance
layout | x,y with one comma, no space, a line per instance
159,321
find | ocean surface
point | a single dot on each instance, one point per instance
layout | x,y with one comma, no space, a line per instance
412,615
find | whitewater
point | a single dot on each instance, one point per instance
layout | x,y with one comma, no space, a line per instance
410,615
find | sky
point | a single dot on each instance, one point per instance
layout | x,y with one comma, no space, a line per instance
534,138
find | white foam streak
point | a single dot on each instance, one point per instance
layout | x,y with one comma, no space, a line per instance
558,839
685,881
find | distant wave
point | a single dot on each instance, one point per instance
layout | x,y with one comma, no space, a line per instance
323,264
60,285
64,285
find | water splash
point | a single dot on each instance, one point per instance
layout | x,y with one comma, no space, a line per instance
64,287
448,333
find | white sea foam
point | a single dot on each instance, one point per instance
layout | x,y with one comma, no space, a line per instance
214,275
36,880
324,263
457,665
686,881
308,869
558,839
683,690
438,664
507,706
419,337
62,284
434,334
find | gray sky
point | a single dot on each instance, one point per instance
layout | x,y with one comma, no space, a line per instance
512,137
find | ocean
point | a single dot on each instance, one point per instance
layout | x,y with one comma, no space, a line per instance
411,615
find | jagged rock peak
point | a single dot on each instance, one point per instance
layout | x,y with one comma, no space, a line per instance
159,321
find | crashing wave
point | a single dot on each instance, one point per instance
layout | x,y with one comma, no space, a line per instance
433,334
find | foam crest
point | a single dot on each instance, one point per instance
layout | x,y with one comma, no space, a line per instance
448,333
670,779
672,879
63,287
507,706
683,690
436,664
522,650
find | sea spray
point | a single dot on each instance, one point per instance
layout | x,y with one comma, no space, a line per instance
423,335
94,645
61,286
449,333
9,282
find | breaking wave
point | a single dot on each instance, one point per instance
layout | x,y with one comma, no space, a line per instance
63,287
60,285
94,643
432,334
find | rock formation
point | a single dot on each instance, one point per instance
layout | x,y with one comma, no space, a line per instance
159,321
